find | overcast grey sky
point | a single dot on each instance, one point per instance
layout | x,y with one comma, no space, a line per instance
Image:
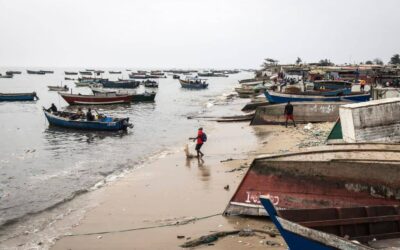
195,33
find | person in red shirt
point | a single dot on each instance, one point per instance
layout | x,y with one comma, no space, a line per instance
201,138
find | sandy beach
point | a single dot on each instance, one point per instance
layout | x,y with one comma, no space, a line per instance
171,199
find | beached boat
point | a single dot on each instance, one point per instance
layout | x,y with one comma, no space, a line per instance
361,228
193,83
63,119
121,84
36,72
331,84
330,176
305,112
70,73
98,99
18,96
58,88
275,97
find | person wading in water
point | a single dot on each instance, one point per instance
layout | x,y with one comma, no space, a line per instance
289,113
201,138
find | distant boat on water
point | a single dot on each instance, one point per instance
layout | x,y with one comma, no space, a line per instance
66,120
193,83
122,84
150,83
86,73
11,72
58,88
6,76
114,72
36,72
70,73
18,96
97,99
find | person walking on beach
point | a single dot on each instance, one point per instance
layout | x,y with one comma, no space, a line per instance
289,113
201,138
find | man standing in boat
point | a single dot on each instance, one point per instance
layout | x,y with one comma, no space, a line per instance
201,138
289,113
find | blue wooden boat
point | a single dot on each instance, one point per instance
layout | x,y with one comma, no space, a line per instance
193,83
332,84
361,228
64,119
18,97
275,97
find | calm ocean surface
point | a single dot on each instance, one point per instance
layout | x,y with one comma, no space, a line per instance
41,166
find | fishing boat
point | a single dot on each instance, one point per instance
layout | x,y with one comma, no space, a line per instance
144,97
121,84
6,76
98,99
47,71
18,96
305,112
58,88
137,76
193,83
36,72
12,72
332,84
65,119
275,97
361,228
150,84
176,76
86,73
329,176
70,73
114,72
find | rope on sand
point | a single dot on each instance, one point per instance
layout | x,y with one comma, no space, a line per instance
177,223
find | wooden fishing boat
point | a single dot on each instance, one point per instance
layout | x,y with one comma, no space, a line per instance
12,72
6,76
330,176
36,72
48,71
361,228
70,73
193,83
86,73
65,119
114,72
121,84
98,99
305,112
150,84
331,84
275,97
18,96
58,88
144,97
137,76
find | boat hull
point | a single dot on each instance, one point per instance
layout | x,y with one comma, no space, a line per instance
96,99
144,97
121,124
343,177
274,97
18,97
187,85
304,112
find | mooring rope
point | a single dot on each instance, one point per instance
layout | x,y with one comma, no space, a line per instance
178,223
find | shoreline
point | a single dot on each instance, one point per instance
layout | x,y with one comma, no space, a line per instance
134,212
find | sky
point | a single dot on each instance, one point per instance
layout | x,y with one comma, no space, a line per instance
195,33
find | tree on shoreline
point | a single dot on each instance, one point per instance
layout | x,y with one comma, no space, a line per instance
268,62
395,59
325,62
369,62
298,61
378,61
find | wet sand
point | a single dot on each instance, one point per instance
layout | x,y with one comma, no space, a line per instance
152,206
